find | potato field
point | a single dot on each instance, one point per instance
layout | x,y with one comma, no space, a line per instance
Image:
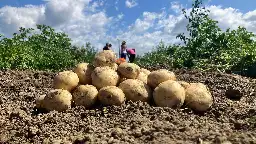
109,102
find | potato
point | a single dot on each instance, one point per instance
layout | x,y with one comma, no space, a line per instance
198,97
129,70
143,77
184,84
169,94
145,71
39,101
67,80
122,79
111,95
201,85
85,95
104,58
114,66
136,90
158,76
104,76
84,71
57,99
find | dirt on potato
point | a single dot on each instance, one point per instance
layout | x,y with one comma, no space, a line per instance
231,119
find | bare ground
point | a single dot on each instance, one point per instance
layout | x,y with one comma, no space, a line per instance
231,119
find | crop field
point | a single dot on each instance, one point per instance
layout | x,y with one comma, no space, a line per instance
230,119
54,92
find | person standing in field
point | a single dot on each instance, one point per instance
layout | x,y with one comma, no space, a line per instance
107,46
131,55
123,50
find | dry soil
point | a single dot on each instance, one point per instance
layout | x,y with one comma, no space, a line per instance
231,118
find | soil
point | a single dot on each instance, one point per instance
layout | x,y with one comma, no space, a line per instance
231,119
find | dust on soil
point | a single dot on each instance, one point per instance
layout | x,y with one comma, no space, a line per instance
231,118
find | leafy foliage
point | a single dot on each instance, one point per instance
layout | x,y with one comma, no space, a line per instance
41,49
156,57
207,47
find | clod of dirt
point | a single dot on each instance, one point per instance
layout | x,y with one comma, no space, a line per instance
32,131
233,94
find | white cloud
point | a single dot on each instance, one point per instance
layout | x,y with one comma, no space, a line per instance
116,5
176,7
148,31
11,18
120,16
57,12
77,18
148,21
131,3
232,18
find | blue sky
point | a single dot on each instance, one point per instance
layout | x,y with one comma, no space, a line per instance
144,5
142,23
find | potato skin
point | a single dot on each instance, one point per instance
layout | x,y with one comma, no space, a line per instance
129,70
84,71
104,58
158,76
57,99
67,80
198,97
85,95
201,85
145,71
169,94
114,66
111,95
184,84
104,76
121,80
143,77
136,90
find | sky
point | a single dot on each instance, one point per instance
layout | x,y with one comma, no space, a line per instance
141,23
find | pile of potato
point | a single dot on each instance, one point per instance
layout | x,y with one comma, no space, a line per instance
112,84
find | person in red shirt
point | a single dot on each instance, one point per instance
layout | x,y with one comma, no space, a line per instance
131,54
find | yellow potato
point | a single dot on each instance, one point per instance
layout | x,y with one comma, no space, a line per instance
136,90
111,95
129,70
198,97
104,76
114,66
57,99
158,76
145,71
85,95
169,94
104,58
67,80
84,71
143,77
184,84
